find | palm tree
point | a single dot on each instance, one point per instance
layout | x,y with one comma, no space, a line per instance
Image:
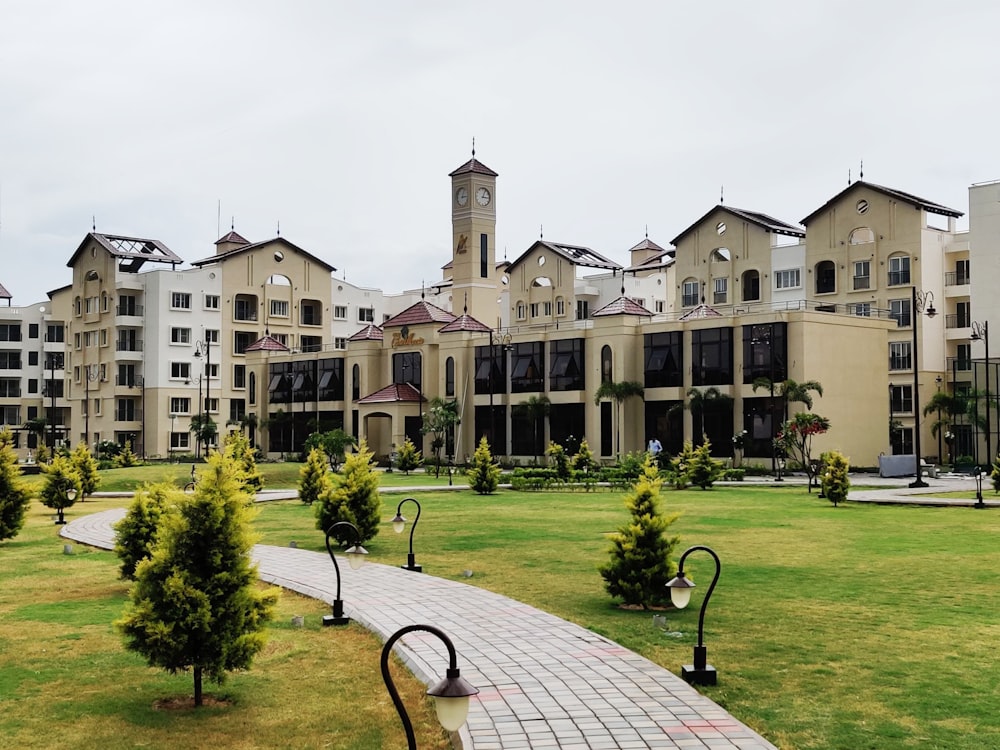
536,409
619,393
701,401
791,391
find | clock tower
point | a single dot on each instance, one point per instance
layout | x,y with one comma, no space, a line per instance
473,228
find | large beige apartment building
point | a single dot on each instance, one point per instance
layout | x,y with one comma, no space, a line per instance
262,336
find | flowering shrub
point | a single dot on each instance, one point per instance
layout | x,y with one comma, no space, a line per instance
796,437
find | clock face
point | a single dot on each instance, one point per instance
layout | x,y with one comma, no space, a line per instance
483,196
461,196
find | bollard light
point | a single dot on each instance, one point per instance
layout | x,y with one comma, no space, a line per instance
398,524
355,558
701,672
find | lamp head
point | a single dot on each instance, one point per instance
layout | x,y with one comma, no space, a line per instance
398,523
451,699
680,589
355,556
931,310
71,493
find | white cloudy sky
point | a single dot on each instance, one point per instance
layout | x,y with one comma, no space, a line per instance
342,120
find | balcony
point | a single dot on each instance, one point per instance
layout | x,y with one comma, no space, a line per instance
862,282
129,315
901,363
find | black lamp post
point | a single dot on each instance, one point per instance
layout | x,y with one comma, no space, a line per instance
503,343
981,332
204,349
398,524
701,672
939,380
70,493
979,488
892,417
921,301
451,695
355,557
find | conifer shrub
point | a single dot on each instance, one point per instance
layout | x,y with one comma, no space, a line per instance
834,481
704,470
86,467
136,533
352,496
408,458
484,474
314,479
14,494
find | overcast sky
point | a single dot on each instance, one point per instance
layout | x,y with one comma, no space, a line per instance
342,120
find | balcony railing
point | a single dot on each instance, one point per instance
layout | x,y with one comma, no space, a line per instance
957,321
956,278
128,346
900,363
862,282
897,278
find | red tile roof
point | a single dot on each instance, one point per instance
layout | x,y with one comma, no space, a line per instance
233,237
473,166
621,306
646,244
393,394
267,343
701,311
419,312
4,294
466,322
370,332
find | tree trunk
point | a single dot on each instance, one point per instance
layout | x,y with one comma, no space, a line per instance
197,686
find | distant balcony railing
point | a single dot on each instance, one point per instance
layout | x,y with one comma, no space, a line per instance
128,346
957,321
900,363
956,278
135,310
862,282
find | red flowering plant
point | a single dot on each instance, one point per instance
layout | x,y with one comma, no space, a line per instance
796,438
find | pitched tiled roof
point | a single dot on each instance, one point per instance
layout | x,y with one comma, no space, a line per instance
246,248
473,166
621,306
233,237
776,226
466,322
369,333
913,200
646,244
393,394
575,254
267,343
419,312
654,261
701,311
4,294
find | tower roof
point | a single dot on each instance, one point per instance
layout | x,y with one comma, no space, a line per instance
622,306
419,312
474,166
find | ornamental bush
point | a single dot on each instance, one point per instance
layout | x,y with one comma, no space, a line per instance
135,534
352,496
834,481
484,474
14,494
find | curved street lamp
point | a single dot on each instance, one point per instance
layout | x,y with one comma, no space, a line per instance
355,557
398,524
451,695
701,672
981,332
923,302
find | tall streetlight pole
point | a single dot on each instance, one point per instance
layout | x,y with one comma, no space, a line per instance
939,380
921,301
981,331
204,349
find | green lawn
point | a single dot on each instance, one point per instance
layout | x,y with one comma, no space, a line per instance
852,627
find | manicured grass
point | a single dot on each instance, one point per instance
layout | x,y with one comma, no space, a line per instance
67,681
852,627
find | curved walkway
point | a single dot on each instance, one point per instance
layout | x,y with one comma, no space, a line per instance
544,682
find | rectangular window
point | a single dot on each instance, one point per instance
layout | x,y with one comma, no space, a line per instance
484,257
765,353
712,356
962,272
566,370
237,409
180,335
899,270
180,405
689,294
790,278
52,388
32,385
239,376
660,305
899,355
534,309
32,358
212,370
11,387
32,330
522,311
10,331
560,306
55,332
963,357
900,398
245,307
104,337
527,363
310,312
180,300
582,309
125,410
963,315
127,305
720,291
861,309
279,308
180,440
241,340
126,375
11,360
212,336
339,342
899,310
340,312
10,415
366,315
180,370
76,341
862,274
330,383
547,309
212,405
312,343
211,301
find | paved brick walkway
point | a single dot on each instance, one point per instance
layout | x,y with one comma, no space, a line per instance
544,682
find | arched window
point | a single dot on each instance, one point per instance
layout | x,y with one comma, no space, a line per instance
356,382
899,270
750,286
689,293
826,277
606,365
861,236
721,255
541,281
449,376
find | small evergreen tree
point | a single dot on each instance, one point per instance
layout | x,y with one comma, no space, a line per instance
239,450
484,474
833,479
640,563
195,602
560,460
42,454
86,466
409,457
679,471
60,478
314,477
353,496
135,535
126,458
14,494
704,470
584,458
